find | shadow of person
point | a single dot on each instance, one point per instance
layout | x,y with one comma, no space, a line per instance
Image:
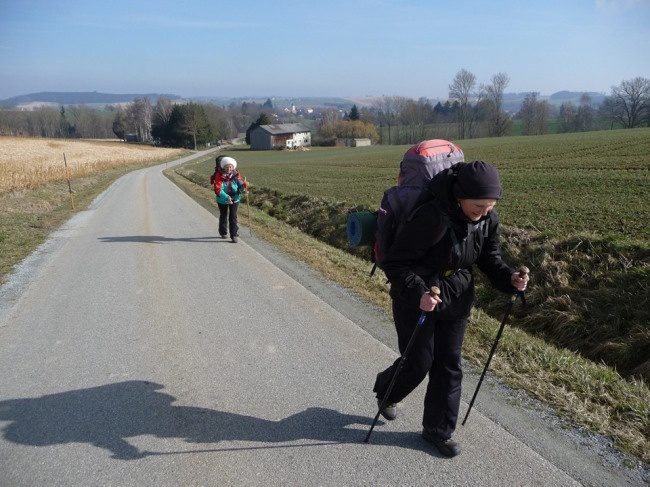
156,239
106,416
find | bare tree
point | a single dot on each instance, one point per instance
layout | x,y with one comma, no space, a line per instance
499,122
631,102
139,115
399,107
88,123
366,115
386,115
330,115
47,122
534,114
163,109
461,88
222,126
13,122
119,124
568,115
585,114
196,124
415,116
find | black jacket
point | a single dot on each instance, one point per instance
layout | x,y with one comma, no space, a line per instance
438,240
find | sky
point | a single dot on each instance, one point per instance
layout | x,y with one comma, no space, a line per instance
316,48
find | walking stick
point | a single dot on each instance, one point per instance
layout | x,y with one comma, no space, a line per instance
67,174
248,205
435,291
522,273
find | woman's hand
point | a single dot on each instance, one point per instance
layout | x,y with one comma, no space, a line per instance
519,282
428,302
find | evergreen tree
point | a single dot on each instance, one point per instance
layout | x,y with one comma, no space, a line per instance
187,126
66,128
263,119
354,113
119,124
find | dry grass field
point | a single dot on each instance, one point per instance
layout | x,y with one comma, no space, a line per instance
35,197
28,163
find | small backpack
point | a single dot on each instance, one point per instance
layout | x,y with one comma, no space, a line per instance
379,228
213,177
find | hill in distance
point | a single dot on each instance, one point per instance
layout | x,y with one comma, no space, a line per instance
511,101
79,98
101,100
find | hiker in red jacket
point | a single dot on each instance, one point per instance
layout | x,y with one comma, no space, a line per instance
228,188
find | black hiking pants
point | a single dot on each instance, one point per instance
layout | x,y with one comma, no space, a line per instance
228,219
437,352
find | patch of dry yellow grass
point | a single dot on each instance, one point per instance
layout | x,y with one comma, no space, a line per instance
27,163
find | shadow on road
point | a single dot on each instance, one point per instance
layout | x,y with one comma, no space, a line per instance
157,239
106,416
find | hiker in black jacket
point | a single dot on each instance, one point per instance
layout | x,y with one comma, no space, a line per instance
455,228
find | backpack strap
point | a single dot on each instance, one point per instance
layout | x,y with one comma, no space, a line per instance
482,227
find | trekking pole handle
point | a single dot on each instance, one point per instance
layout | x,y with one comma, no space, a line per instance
523,272
433,292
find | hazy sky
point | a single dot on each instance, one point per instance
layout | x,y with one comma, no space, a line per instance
348,48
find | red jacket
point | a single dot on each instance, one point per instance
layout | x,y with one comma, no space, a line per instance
227,186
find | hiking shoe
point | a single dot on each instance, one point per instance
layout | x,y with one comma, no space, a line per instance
447,447
223,236
390,410
235,238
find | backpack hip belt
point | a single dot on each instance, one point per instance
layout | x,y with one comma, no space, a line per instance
449,272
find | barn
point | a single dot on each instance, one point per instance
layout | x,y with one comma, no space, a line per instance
280,136
352,142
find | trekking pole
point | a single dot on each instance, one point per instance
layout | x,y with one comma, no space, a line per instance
435,291
67,174
522,273
248,205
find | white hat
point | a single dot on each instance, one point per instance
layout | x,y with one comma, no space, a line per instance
228,160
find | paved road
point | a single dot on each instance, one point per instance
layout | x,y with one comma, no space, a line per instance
138,349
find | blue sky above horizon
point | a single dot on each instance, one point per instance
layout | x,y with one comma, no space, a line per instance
346,48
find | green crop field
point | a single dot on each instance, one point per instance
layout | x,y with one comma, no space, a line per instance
559,185
574,212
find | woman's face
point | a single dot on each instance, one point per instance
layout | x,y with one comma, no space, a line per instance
476,209
228,168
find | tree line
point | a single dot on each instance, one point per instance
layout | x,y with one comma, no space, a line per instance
473,110
476,110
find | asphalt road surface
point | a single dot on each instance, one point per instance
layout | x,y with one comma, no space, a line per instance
138,349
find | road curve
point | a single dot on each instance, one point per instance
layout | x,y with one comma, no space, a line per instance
138,348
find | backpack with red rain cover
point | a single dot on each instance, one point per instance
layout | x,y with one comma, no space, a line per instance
419,164
426,159
213,177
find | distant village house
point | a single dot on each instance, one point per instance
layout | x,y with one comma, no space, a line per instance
280,136
351,142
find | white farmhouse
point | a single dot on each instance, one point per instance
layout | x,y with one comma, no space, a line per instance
280,136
